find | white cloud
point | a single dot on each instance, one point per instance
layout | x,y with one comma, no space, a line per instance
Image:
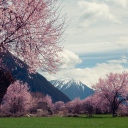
70,59
98,38
122,3
87,22
123,60
122,40
92,11
99,35
93,47
90,76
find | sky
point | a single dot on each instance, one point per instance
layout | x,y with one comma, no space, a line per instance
96,42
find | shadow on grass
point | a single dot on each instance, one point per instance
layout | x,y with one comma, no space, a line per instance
96,116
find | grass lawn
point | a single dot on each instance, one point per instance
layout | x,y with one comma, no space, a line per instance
98,121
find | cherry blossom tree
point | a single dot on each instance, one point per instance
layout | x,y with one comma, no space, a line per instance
17,98
114,89
100,105
37,97
58,106
122,110
31,31
87,105
75,105
95,104
48,99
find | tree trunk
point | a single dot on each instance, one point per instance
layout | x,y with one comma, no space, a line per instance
114,106
5,80
113,113
114,110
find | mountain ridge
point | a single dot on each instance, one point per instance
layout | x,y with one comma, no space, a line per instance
38,83
73,88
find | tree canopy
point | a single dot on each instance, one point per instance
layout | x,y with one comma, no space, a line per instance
113,90
30,30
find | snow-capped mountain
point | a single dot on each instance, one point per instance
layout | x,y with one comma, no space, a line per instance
72,88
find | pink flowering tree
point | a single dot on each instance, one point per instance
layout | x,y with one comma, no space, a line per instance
58,106
35,100
87,105
114,89
95,104
48,99
17,98
75,105
122,110
100,105
31,30
40,101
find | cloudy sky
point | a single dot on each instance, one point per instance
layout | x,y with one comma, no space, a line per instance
97,41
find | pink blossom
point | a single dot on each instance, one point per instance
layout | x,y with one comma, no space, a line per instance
113,90
17,98
31,30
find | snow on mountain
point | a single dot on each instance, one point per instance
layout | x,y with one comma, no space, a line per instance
61,83
72,88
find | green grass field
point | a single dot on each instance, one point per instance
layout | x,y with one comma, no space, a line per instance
99,121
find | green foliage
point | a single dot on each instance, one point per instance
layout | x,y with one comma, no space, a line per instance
98,121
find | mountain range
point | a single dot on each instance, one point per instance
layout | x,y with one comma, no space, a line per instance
38,83
73,88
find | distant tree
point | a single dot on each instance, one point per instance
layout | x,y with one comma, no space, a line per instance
17,98
48,99
95,104
100,105
31,30
58,106
37,98
75,105
87,105
114,89
122,110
